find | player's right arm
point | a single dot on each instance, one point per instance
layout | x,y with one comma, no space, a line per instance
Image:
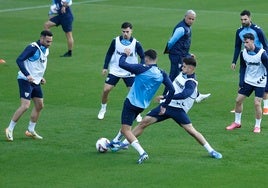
28,52
108,57
237,50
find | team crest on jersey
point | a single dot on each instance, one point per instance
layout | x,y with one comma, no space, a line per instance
26,94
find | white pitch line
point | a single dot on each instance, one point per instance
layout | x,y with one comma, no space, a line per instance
44,6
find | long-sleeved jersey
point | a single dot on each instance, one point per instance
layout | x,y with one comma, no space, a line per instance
33,61
112,51
260,39
180,42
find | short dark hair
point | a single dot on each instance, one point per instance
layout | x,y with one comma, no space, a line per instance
189,61
249,36
245,12
45,33
151,54
126,25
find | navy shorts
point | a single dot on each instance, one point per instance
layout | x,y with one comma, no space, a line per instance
66,22
29,90
248,89
129,113
177,114
113,80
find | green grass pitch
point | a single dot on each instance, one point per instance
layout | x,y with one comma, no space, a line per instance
67,157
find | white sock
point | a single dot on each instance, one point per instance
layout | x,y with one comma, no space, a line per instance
135,144
118,137
238,118
208,147
265,103
103,106
258,123
31,126
12,125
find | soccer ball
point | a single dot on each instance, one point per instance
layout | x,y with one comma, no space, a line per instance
101,145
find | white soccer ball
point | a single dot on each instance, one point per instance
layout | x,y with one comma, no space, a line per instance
101,145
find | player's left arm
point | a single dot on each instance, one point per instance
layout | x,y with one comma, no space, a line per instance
179,32
190,86
167,82
26,54
264,60
262,39
140,52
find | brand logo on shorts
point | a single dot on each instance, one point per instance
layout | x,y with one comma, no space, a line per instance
26,94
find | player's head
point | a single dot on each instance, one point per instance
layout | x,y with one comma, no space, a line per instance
126,29
189,64
150,56
249,41
46,38
245,18
189,17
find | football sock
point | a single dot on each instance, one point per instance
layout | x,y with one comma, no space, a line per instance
118,137
238,118
135,144
103,106
265,103
31,126
258,123
208,147
12,125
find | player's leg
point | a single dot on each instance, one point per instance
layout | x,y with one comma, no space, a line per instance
48,24
243,92
67,27
25,90
265,101
110,83
201,140
259,92
38,106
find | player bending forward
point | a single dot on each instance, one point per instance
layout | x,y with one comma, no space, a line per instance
185,86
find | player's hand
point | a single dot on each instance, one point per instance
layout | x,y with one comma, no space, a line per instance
63,10
30,78
159,98
127,51
233,66
162,110
43,81
104,72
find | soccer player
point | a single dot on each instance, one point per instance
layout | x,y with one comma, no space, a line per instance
32,63
62,15
113,54
260,41
253,77
178,47
185,85
147,81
